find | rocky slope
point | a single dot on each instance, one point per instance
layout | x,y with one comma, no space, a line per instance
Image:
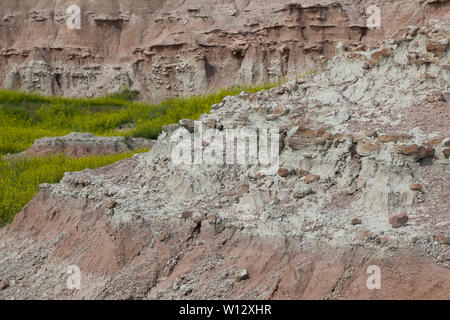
78,145
183,47
363,180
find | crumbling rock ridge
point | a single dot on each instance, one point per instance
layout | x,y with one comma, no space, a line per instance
363,181
184,47
78,144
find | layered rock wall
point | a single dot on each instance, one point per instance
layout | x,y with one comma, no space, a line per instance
175,47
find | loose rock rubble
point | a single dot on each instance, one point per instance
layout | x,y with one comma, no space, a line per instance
398,220
243,275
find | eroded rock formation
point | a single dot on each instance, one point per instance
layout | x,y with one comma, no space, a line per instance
363,180
82,144
180,47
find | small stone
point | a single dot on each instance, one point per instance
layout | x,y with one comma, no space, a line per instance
243,275
355,221
302,192
170,128
224,200
446,152
255,174
351,190
280,111
415,151
212,218
4,284
219,126
398,220
274,202
327,234
310,178
197,217
392,242
272,117
283,172
363,235
383,239
111,204
243,187
188,124
371,133
415,187
437,47
301,173
387,138
186,214
127,296
209,123
176,284
442,239
366,148
162,237
44,186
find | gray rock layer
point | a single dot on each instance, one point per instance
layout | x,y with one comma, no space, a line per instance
78,144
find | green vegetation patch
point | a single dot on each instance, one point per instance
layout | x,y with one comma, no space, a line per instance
25,117
20,178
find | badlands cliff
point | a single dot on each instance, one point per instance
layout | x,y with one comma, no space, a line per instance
363,180
178,47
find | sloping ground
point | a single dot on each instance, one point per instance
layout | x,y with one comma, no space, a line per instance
363,142
170,48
